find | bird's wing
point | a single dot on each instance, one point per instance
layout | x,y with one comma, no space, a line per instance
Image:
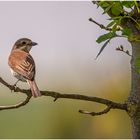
22,63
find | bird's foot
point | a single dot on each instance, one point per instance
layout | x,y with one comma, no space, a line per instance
14,87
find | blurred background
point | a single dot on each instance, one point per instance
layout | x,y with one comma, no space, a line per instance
65,63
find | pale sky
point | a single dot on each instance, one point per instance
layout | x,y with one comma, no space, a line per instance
65,63
67,44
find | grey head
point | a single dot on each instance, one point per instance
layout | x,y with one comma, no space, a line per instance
24,44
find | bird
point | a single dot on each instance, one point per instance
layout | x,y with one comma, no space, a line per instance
22,64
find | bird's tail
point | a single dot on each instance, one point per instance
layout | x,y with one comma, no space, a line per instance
34,89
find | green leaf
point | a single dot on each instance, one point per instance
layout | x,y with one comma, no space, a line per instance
103,4
127,31
105,37
117,18
128,4
102,48
116,9
137,6
115,26
117,23
111,23
107,9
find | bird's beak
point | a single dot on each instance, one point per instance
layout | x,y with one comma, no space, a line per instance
34,43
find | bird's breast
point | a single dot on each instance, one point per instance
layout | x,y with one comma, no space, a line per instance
18,76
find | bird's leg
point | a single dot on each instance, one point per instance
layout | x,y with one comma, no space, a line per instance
15,85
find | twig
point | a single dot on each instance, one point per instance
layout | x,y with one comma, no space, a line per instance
106,28
57,95
100,25
95,2
122,50
16,105
96,113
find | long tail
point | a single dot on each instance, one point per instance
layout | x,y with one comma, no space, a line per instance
34,89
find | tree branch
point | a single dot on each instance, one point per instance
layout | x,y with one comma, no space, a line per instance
56,95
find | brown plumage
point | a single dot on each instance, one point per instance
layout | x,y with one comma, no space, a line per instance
23,65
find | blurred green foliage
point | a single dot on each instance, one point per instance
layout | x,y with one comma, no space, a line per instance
43,118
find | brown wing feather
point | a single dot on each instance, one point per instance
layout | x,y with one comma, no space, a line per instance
22,63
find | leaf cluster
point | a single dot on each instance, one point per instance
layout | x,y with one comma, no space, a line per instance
120,13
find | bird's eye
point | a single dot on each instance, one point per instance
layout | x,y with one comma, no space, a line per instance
23,43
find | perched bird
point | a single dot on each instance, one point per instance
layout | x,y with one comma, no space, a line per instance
22,64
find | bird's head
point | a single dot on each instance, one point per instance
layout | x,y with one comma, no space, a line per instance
24,44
